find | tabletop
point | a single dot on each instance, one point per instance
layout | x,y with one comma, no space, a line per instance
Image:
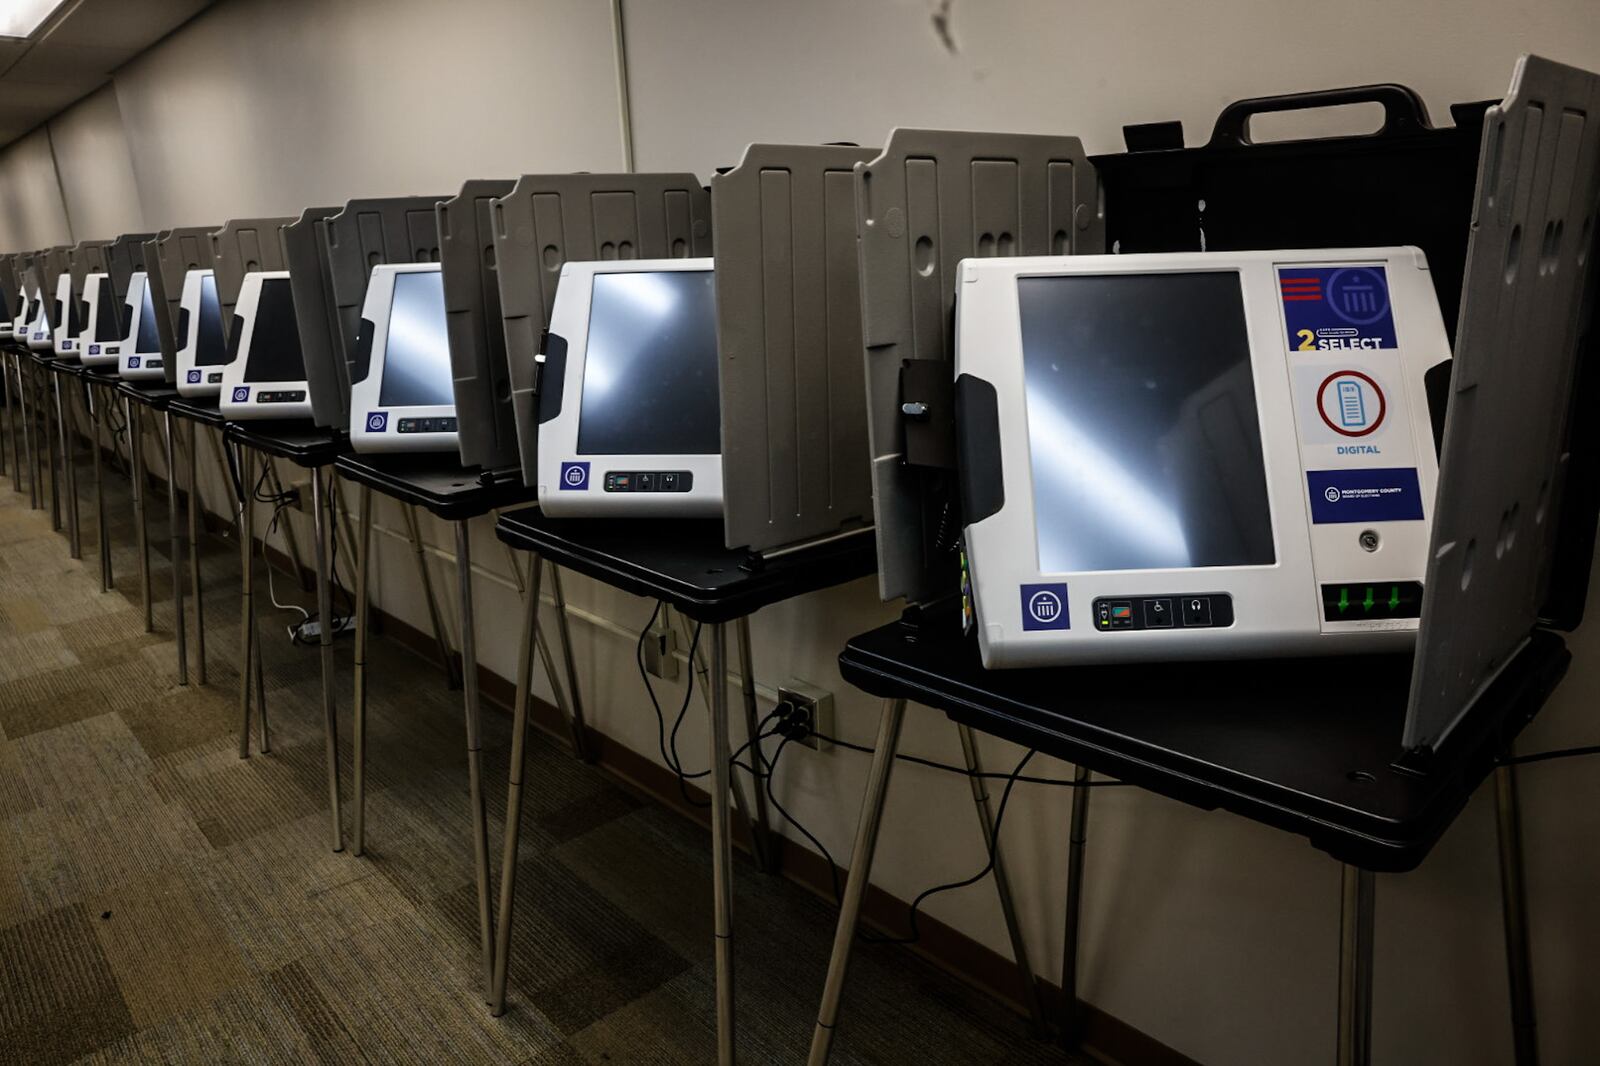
685,562
437,482
1306,745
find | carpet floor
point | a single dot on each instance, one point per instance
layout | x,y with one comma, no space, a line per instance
163,900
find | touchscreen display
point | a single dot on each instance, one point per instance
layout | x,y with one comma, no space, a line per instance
106,326
650,371
416,357
210,348
1142,425
274,353
148,340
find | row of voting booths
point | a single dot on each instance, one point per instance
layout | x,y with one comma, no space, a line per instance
848,444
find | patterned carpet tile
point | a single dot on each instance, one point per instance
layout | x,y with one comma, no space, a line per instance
58,997
164,901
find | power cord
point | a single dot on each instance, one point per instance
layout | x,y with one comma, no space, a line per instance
669,752
1544,756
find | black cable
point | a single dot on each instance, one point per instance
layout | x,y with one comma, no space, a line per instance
672,740
950,768
668,754
1558,753
994,846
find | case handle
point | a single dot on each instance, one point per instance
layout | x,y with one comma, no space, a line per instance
1403,110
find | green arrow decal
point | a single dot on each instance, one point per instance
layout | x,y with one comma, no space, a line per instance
1344,600
1366,604
1394,596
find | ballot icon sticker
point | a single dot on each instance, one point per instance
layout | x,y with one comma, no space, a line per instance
377,421
1351,403
241,394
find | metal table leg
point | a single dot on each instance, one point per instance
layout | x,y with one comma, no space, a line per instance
5,413
247,618
480,815
323,528
363,548
28,416
1002,883
194,555
722,845
64,436
13,402
741,805
1077,843
762,838
131,412
580,730
855,887
97,411
1514,910
1355,968
513,827
175,534
290,541
435,618
51,427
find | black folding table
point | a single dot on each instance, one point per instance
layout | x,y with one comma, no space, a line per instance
685,564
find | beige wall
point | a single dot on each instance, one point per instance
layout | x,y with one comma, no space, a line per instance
1211,934
32,214
96,168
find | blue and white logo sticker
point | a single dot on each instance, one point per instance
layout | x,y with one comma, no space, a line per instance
377,421
1336,308
66,346
241,394
194,377
575,477
133,362
94,349
1045,607
1365,495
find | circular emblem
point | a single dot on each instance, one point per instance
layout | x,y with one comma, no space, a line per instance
1358,295
1330,494
574,475
1045,606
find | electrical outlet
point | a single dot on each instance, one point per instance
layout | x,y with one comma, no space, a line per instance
804,710
660,651
301,493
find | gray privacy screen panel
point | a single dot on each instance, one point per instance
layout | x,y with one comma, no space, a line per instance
795,463
488,431
123,256
55,265
306,256
369,233
931,199
549,219
242,246
168,259
85,258
1527,310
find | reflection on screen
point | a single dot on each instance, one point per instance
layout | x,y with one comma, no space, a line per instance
650,371
416,356
210,348
275,341
1142,424
148,339
106,327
